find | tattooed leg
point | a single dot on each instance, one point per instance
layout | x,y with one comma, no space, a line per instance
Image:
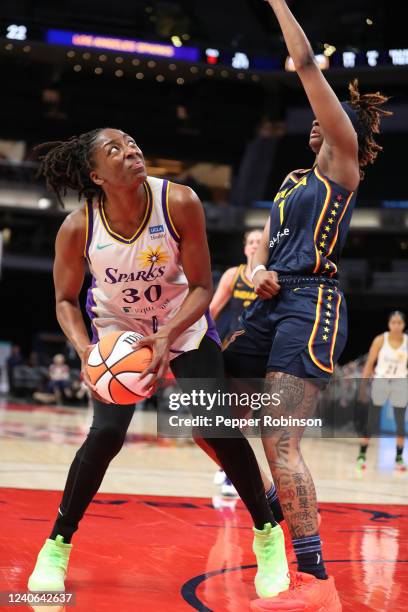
296,490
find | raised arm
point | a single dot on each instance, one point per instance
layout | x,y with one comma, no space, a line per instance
223,293
336,126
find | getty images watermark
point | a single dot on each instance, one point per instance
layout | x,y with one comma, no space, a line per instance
231,411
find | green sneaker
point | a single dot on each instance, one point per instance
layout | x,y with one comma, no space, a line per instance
51,567
272,576
361,464
400,466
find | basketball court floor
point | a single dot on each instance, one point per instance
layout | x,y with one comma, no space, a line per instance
158,537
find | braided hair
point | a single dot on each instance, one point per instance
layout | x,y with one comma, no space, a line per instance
369,111
67,165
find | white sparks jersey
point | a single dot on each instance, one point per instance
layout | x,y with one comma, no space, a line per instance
138,283
391,362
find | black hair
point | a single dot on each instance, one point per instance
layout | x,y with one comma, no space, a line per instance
369,113
67,165
397,313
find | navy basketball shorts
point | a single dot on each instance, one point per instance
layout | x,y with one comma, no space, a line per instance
302,331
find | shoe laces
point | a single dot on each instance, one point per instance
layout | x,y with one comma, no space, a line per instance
58,558
267,550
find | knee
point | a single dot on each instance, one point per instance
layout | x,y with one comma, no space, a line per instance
106,441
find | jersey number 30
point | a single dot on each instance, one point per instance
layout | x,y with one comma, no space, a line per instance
152,294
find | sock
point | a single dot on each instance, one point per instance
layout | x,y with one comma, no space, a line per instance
309,556
400,450
363,449
274,504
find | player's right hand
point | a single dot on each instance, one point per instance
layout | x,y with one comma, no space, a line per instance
266,284
85,376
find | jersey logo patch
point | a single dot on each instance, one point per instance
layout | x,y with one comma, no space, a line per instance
103,246
156,229
153,257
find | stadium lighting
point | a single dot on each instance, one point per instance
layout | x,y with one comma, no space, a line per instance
329,50
44,203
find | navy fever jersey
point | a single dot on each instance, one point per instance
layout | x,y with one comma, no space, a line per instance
310,218
243,295
138,283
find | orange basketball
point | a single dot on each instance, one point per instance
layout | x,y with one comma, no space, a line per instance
114,368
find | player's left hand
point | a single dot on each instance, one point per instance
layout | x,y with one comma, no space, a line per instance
160,345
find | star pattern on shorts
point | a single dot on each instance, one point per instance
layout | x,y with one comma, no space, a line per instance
325,337
327,228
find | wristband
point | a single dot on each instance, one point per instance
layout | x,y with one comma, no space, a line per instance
261,267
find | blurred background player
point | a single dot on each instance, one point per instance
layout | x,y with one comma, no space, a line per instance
234,293
387,365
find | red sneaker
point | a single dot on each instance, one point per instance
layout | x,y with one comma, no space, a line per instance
306,594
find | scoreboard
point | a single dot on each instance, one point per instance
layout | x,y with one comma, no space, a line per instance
239,59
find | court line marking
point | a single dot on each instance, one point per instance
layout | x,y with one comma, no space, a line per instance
189,588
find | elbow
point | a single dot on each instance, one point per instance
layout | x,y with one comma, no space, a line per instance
62,302
305,62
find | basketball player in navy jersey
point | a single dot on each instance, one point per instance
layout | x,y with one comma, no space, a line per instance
145,242
236,291
297,330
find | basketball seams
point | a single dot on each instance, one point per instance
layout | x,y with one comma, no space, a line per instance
123,358
120,359
113,375
121,384
113,347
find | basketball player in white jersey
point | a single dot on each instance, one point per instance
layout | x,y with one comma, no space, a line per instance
387,364
145,243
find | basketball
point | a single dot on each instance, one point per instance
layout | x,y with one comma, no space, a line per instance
114,368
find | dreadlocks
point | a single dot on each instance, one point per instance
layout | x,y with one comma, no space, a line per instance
367,107
67,164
